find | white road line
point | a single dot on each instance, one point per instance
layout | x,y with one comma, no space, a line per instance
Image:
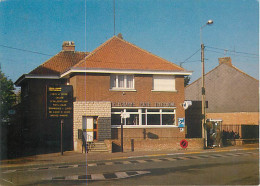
97,177
71,177
141,161
92,164
156,160
9,171
7,181
143,172
121,175
170,159
126,162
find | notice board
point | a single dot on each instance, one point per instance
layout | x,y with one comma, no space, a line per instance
59,101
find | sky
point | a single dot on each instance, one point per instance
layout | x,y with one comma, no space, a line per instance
32,31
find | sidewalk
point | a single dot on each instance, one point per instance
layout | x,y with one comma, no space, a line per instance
71,157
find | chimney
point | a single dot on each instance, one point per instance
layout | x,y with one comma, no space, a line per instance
225,60
68,46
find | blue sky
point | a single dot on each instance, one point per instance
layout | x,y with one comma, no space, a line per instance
168,28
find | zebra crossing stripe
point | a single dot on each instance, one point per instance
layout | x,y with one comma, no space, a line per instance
71,177
104,176
156,160
126,162
9,171
141,161
121,174
97,177
92,164
109,163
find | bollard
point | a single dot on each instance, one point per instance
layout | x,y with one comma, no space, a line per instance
132,145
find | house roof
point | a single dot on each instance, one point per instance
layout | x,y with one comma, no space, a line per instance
117,53
59,63
214,69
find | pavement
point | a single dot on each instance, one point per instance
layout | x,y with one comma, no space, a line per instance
70,157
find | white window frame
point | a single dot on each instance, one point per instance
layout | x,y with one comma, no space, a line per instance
125,88
139,112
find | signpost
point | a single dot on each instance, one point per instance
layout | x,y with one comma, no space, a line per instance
123,116
181,122
59,105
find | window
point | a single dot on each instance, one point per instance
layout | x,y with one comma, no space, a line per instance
163,83
121,81
144,116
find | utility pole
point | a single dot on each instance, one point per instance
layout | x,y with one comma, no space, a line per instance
203,92
204,134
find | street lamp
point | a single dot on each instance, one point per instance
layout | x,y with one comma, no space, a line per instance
203,104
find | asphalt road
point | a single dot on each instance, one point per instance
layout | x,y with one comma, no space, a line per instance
221,168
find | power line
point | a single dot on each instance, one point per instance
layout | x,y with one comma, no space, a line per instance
25,50
231,54
189,57
232,51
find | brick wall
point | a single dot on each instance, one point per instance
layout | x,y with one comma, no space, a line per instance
236,118
153,145
147,133
96,87
101,109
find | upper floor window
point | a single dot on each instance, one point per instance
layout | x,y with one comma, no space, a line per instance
163,83
121,81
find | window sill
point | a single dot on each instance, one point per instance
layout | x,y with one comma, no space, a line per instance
122,90
164,90
144,126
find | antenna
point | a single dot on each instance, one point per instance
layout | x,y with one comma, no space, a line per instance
114,18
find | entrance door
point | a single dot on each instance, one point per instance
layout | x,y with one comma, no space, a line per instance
90,126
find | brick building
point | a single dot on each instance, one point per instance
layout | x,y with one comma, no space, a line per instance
37,131
233,98
117,77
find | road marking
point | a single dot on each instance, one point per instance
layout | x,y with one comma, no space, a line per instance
71,177
144,161
97,177
9,171
121,174
156,160
141,161
92,164
7,181
126,162
101,176
109,163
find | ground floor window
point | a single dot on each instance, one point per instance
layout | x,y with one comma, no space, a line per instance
144,116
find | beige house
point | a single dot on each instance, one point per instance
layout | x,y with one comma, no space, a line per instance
233,97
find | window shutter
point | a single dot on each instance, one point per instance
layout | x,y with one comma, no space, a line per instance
163,83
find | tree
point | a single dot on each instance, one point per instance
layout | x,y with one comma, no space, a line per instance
186,80
7,95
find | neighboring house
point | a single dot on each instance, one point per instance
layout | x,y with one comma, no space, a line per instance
36,129
117,77
233,98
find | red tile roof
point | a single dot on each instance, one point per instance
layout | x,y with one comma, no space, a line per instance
59,63
117,53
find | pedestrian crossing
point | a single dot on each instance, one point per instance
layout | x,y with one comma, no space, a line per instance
125,162
103,176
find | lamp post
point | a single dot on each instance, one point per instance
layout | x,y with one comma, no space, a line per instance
203,104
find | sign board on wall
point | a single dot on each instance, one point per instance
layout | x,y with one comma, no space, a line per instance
181,122
59,101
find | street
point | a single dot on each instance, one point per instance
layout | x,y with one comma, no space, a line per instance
237,167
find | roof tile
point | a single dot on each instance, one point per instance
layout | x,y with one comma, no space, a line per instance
59,63
117,53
